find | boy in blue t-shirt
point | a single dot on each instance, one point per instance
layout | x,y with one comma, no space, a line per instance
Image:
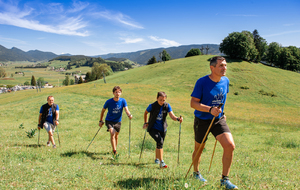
113,118
157,125
48,118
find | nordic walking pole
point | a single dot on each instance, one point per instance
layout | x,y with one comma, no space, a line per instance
143,145
202,143
58,135
212,156
179,142
129,137
93,139
39,138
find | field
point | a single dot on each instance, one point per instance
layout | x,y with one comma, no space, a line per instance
262,112
52,77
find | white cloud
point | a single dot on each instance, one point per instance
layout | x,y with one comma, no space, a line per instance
78,6
241,15
119,18
164,42
11,15
132,41
69,27
282,33
54,18
291,24
11,40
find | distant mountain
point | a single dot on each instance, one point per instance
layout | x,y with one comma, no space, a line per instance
15,54
143,56
140,57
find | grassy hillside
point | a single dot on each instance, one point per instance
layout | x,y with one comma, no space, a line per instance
265,129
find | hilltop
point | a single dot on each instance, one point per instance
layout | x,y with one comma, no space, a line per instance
15,54
143,56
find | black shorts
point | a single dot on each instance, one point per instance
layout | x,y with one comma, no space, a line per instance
115,125
159,137
201,126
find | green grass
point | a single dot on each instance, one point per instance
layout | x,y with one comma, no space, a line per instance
52,77
265,130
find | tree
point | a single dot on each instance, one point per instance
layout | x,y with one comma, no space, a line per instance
2,72
72,82
26,83
193,52
66,82
289,58
152,60
295,64
99,69
80,80
239,45
260,44
88,77
272,53
33,81
207,48
164,56
40,81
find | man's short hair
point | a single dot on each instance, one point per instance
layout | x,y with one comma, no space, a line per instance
49,97
116,88
214,60
163,94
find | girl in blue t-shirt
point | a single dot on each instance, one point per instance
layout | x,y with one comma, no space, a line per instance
113,118
157,124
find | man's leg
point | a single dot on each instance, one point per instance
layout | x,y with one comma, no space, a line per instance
226,140
198,157
196,161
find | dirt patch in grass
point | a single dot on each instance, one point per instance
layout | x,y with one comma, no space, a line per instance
7,79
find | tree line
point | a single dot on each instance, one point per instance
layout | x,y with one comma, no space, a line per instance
252,47
165,56
80,60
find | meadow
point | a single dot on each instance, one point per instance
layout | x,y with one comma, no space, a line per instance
262,112
52,77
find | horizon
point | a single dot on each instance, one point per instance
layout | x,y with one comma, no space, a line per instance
97,28
68,54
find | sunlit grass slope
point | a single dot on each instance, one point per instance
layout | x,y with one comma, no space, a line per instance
265,129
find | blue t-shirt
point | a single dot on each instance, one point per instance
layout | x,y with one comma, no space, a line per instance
159,125
115,109
210,93
49,117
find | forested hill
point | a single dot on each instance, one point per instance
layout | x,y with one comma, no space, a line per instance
143,56
15,54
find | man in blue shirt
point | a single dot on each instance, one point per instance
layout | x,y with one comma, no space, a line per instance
48,118
113,118
209,92
157,125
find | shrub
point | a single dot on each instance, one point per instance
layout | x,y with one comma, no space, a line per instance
244,87
272,94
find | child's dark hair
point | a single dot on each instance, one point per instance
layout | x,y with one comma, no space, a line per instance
163,94
117,88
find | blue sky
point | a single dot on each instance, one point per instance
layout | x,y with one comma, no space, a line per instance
94,27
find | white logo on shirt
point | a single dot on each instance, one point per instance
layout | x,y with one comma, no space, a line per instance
117,109
218,99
